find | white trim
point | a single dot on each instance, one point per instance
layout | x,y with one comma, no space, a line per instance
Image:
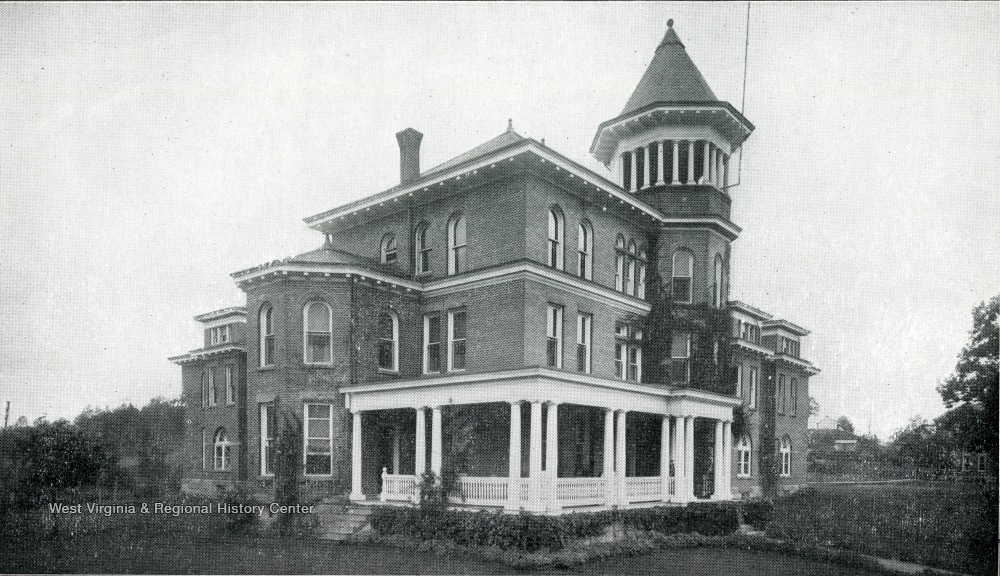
350,270
223,313
700,222
264,430
204,353
394,318
305,333
452,339
585,176
554,328
225,321
427,333
585,338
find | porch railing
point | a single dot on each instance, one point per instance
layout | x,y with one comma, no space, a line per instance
397,487
482,490
643,488
580,491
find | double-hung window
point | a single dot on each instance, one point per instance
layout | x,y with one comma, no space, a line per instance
680,358
388,341
219,335
318,333
556,239
739,381
204,389
793,397
432,343
318,439
682,270
743,452
213,394
754,385
584,334
635,357
779,399
786,456
456,339
621,348
268,430
266,329
620,263
230,388
628,352
422,250
388,251
456,244
630,274
554,336
222,450
585,251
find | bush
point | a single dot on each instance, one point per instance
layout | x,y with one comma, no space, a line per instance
757,513
241,522
532,533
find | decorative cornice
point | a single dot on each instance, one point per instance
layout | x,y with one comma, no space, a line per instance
204,353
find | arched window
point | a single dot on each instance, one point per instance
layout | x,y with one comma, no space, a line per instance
265,328
630,276
388,341
717,287
556,238
213,394
222,450
318,333
743,452
620,263
456,244
640,286
388,252
585,251
683,269
786,456
422,249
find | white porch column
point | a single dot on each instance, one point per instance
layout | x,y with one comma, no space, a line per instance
420,458
514,464
718,167
645,167
665,459
679,458
552,454
609,456
659,162
619,169
690,161
727,460
675,160
620,457
535,457
718,463
689,457
436,441
634,185
395,450
356,493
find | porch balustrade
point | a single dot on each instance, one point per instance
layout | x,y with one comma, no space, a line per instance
643,488
580,491
398,487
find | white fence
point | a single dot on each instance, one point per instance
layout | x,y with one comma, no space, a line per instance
580,491
481,490
398,487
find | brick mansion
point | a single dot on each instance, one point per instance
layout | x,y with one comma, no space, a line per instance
554,338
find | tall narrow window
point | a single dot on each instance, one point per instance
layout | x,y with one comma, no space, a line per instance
717,283
620,263
635,357
230,387
640,287
204,389
213,394
204,450
754,385
680,358
743,451
584,334
793,397
388,252
422,249
739,381
554,336
318,333
779,399
388,341
268,430
556,238
585,251
318,439
432,343
456,244
683,269
630,274
222,450
266,329
786,456
621,349
456,339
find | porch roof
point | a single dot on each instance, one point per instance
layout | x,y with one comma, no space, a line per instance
540,384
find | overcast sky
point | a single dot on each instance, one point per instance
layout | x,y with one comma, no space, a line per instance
147,151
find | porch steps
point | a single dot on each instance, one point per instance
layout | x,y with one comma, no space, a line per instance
338,520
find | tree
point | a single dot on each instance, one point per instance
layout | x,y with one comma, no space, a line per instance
975,380
844,423
813,406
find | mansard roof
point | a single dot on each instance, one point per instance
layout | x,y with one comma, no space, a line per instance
670,77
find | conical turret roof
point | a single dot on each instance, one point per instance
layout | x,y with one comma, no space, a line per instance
670,77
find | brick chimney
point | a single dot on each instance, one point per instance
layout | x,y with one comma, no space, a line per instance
409,155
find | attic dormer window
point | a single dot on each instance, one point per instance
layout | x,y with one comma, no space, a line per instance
218,335
388,252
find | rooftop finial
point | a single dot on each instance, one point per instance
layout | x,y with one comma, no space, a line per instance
510,124
670,23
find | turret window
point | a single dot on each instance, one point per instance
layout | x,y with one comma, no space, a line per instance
318,333
683,270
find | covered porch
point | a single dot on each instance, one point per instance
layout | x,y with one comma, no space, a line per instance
541,441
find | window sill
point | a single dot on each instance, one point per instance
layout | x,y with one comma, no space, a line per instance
268,368
318,365
453,370
388,371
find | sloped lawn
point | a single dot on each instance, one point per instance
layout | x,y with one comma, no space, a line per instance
945,525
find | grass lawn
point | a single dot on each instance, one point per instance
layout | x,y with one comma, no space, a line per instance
158,553
948,526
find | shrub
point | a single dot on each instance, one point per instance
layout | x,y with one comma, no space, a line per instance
241,522
757,513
